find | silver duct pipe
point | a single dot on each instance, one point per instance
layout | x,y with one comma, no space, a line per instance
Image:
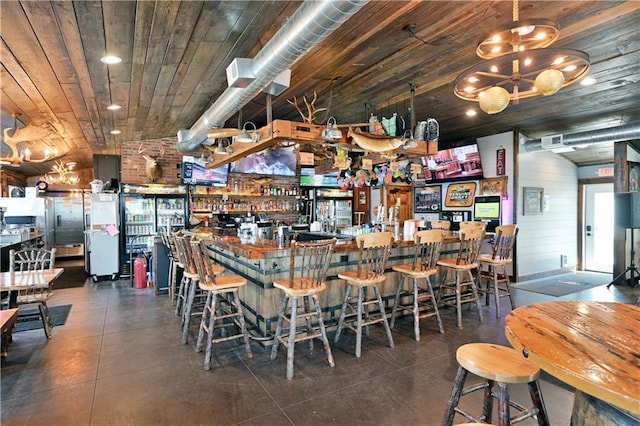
612,134
308,26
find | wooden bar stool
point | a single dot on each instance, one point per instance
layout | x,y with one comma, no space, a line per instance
222,309
174,265
463,264
374,251
308,266
423,301
501,365
496,274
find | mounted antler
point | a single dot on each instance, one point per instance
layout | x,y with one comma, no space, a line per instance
151,167
311,108
24,134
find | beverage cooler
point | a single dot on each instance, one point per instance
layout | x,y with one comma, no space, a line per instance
148,211
333,205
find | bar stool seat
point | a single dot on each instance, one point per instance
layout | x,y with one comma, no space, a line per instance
462,266
493,267
308,266
501,365
423,301
374,251
222,309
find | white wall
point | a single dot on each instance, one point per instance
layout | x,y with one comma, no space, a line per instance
544,238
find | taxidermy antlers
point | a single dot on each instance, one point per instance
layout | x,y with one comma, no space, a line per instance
311,108
24,134
151,167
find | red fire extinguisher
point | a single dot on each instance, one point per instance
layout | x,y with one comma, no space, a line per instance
140,272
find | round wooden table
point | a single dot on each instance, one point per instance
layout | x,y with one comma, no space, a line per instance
592,346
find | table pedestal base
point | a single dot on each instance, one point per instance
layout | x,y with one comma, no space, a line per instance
588,410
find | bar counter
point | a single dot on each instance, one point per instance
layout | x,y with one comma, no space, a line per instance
263,262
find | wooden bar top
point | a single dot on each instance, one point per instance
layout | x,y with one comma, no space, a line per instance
262,248
592,346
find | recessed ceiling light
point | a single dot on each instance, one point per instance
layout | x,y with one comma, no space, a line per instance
114,107
471,112
587,81
115,132
111,59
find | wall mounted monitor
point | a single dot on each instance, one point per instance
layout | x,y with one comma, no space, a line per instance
281,161
196,173
455,161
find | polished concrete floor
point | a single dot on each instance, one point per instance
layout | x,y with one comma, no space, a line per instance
118,360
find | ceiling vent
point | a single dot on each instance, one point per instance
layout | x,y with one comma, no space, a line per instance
552,142
240,73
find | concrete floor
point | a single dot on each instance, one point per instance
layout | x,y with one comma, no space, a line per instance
118,360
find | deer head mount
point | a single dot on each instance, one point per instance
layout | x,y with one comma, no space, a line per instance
312,110
25,134
151,167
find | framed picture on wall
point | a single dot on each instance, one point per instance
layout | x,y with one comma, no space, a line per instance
532,198
460,194
634,176
427,199
494,186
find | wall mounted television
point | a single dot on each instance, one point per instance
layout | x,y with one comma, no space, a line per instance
281,161
308,177
196,173
455,161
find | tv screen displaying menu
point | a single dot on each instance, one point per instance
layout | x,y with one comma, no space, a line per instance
455,161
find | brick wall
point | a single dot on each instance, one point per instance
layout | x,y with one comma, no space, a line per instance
133,164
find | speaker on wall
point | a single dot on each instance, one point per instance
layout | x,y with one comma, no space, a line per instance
627,210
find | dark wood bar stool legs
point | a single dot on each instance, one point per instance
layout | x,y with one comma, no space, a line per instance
501,366
423,302
462,290
496,275
222,309
374,251
308,266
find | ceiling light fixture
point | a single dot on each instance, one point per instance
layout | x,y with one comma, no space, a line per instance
115,132
111,59
245,136
531,69
114,107
221,149
331,132
62,173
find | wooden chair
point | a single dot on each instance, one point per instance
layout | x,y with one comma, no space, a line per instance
308,264
463,264
175,266
469,224
33,259
441,224
496,266
424,266
188,294
223,308
374,251
501,365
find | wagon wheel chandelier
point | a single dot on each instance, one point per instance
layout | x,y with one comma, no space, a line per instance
517,65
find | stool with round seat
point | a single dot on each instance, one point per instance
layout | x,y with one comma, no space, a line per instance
308,264
422,303
499,365
222,309
374,251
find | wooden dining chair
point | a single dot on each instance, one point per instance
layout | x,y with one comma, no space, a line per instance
472,224
422,303
308,264
374,251
463,265
222,309
33,260
493,267
441,224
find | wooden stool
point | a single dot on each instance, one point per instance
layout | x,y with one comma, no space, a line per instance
174,264
423,302
463,264
222,304
496,267
308,266
374,252
501,365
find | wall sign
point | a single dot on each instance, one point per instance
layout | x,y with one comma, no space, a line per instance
501,156
460,194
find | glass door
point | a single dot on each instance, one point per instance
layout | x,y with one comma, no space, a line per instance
139,228
598,229
170,214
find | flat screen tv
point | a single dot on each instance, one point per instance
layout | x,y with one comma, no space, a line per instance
455,161
280,161
486,207
196,173
309,178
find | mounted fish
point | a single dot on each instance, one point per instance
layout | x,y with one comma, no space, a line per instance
375,143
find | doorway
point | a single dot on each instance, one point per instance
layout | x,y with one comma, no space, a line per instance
598,227
404,193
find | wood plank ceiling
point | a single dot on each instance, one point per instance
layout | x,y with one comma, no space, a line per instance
175,55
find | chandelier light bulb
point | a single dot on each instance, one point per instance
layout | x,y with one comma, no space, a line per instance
494,100
549,81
